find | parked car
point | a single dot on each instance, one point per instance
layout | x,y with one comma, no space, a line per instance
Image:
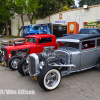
33,44
5,43
89,31
75,53
57,29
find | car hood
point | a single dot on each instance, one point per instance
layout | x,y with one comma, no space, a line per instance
24,46
69,50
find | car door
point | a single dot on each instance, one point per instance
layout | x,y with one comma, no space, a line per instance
42,43
88,54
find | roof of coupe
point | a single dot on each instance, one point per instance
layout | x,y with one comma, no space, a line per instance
78,37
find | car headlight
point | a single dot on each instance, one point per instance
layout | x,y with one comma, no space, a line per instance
0,51
9,55
41,65
3,52
27,59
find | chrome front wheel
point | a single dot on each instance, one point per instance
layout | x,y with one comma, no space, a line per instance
49,78
13,62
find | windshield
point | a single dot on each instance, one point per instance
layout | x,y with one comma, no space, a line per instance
33,40
68,44
36,27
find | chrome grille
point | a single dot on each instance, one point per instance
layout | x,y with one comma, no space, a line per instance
5,56
32,67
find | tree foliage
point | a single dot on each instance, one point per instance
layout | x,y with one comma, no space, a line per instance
20,6
88,2
33,9
52,6
6,11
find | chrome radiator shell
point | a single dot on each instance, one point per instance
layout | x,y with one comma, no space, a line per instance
33,65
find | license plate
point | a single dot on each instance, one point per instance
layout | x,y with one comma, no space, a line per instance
2,63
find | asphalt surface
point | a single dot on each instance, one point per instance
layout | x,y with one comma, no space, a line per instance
77,86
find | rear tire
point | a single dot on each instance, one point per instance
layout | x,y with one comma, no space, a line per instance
49,78
23,67
13,62
1,55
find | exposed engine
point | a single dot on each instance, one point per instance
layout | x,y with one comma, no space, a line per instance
21,53
48,52
51,57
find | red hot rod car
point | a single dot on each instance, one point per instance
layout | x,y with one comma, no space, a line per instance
32,44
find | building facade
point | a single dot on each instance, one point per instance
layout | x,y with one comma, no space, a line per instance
79,15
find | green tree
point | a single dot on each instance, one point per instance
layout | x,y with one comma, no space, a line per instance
42,8
51,6
6,11
1,26
88,2
20,6
31,7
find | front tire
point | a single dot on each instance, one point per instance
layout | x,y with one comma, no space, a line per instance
23,67
13,62
49,78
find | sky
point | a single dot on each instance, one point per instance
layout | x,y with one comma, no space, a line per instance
76,3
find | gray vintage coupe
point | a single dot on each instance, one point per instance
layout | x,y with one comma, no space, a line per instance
75,53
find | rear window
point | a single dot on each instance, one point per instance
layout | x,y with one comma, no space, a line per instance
88,44
84,31
45,40
98,42
93,31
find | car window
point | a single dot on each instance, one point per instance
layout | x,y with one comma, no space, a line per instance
92,31
33,40
98,30
84,31
68,44
98,42
36,27
45,40
88,44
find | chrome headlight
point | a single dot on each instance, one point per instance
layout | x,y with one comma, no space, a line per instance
27,59
1,51
41,65
9,55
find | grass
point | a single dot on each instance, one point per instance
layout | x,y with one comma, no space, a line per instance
12,36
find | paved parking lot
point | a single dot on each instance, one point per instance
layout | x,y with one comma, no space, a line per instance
77,86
